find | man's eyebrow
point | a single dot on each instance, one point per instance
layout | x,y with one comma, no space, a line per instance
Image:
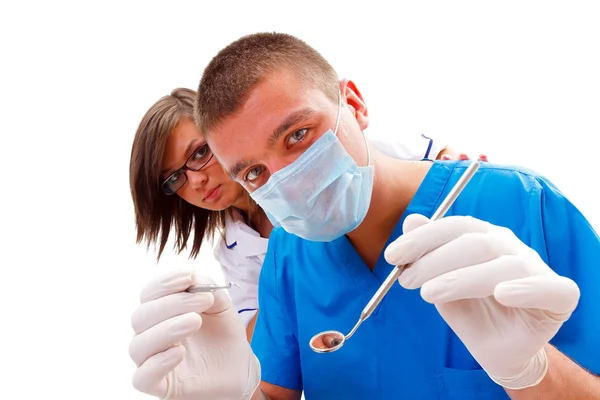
291,120
238,167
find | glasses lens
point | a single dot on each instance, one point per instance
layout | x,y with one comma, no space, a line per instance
200,158
174,183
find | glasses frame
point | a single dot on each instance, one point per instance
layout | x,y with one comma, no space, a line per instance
185,167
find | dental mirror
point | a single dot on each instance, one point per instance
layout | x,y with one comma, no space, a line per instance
330,341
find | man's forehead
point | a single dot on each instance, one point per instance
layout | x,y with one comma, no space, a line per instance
282,88
243,137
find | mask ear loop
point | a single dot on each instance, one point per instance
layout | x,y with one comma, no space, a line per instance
368,150
339,113
337,123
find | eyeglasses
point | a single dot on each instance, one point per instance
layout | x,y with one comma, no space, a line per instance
196,162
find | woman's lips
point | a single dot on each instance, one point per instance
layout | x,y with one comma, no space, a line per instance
212,194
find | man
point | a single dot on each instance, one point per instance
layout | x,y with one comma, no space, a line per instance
493,319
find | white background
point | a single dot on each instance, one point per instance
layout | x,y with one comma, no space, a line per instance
517,80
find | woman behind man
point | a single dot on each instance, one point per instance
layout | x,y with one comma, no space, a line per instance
177,185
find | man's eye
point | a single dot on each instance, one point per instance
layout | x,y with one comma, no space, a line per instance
253,173
297,136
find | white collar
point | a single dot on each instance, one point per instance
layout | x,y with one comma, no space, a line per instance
242,238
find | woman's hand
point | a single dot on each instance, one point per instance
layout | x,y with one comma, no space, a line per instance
451,154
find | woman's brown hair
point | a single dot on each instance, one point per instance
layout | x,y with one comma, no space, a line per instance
155,212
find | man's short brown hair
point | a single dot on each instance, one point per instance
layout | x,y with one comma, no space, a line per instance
231,75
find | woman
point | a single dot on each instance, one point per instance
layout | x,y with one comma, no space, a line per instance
177,184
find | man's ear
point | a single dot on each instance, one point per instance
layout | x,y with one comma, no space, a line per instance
355,102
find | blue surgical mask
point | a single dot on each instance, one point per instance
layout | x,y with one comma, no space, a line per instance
322,195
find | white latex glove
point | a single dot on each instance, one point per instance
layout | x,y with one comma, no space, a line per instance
496,293
190,346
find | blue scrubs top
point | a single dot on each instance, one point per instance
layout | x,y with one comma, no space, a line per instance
405,350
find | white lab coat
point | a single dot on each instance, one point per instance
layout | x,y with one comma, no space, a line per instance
241,251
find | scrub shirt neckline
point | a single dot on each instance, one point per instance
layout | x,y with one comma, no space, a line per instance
424,202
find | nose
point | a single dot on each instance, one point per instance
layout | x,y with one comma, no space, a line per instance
196,179
275,164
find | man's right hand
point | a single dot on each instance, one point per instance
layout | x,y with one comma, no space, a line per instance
190,345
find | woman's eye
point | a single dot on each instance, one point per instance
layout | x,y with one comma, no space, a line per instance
174,178
253,174
201,153
297,136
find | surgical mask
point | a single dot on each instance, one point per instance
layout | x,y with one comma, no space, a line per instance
322,195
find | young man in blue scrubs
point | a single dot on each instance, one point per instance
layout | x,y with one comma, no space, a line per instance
508,304
268,105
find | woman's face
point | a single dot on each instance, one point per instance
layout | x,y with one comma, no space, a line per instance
210,187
